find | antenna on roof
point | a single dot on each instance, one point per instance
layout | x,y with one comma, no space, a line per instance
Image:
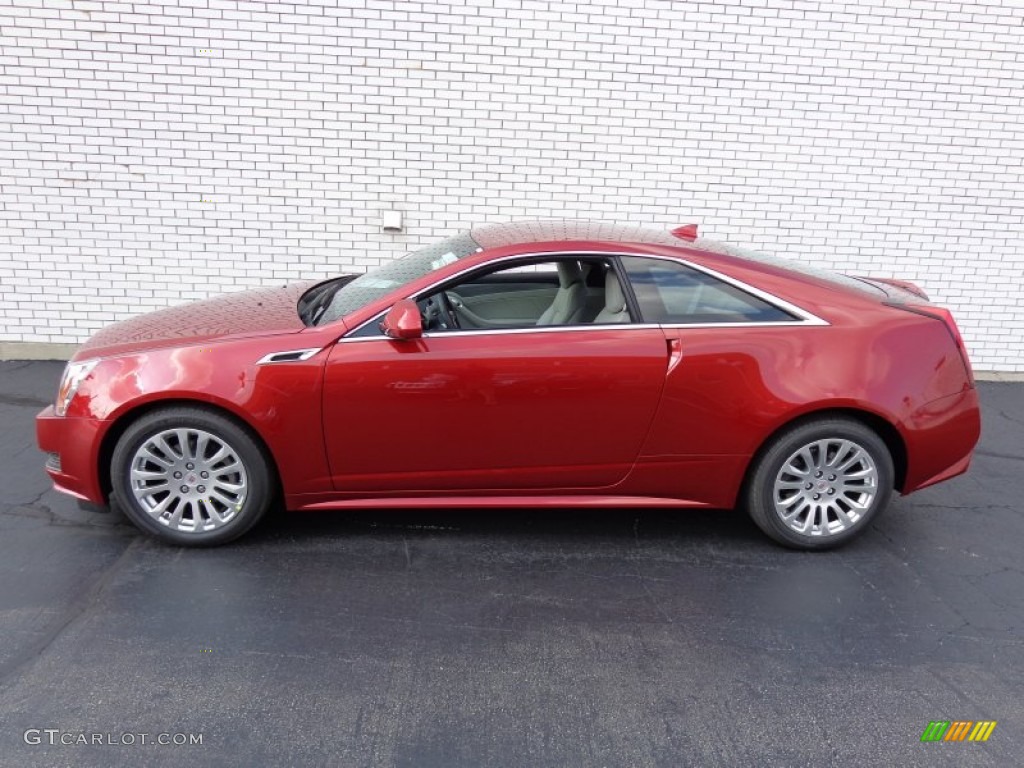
686,232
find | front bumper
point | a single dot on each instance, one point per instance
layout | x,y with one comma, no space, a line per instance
74,446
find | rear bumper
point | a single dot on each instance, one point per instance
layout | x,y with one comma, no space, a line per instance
76,442
940,439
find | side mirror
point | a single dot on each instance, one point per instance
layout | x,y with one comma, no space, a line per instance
403,321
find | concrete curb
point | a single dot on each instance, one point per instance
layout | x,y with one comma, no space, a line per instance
36,350
40,350
999,376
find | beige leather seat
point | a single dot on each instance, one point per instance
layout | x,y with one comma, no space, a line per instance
571,299
615,310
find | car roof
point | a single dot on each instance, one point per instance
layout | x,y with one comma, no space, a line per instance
554,230
582,230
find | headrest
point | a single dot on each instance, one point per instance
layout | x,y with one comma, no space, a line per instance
614,298
568,273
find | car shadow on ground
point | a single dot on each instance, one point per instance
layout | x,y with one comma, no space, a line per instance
724,527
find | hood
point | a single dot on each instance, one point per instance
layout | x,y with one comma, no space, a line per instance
247,313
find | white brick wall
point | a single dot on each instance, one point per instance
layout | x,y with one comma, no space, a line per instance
156,152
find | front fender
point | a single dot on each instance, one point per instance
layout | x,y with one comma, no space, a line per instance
280,402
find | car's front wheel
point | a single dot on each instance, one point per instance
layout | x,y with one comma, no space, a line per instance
819,484
190,476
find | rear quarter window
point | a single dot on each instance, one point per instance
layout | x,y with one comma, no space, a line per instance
792,265
669,292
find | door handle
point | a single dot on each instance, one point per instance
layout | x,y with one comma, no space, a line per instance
675,354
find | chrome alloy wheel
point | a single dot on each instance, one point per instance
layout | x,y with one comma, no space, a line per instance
825,487
188,479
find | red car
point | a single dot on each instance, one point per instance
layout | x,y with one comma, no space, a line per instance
529,364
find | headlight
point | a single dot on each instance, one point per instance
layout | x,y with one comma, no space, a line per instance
74,374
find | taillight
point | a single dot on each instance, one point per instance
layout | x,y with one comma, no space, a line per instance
943,314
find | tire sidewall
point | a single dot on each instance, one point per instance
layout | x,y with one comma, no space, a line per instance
761,500
256,467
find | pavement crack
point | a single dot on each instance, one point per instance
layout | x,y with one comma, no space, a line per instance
78,608
957,689
886,600
972,507
1008,417
998,455
16,400
34,505
643,579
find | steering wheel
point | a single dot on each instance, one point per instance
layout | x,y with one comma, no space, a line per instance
438,313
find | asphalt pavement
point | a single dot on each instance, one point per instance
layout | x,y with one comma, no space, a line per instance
510,638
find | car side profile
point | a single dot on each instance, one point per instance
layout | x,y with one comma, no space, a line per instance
539,363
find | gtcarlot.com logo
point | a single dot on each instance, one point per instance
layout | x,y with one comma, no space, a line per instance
958,730
57,737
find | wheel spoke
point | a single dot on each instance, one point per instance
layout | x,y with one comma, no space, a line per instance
857,503
161,444
809,462
227,469
145,474
789,502
795,513
151,455
808,523
179,514
841,451
202,444
847,489
220,454
216,518
868,472
182,436
845,519
224,498
851,460
161,507
198,510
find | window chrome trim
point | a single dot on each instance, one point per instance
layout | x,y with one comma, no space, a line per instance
542,329
288,356
805,318
586,328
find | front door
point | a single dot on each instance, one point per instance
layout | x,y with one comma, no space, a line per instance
492,410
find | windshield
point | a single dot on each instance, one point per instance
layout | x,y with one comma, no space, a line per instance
396,273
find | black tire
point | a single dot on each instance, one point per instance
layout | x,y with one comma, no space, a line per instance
259,478
759,491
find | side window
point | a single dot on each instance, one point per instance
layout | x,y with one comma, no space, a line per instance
522,294
564,291
669,292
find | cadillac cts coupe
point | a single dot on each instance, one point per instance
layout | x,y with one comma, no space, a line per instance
540,363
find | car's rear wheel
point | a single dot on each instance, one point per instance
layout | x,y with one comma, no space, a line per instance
819,484
191,476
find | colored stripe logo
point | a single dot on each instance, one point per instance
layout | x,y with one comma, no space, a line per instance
958,730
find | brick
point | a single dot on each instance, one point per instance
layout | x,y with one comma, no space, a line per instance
877,137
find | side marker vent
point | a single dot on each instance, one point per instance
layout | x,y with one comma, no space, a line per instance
290,356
